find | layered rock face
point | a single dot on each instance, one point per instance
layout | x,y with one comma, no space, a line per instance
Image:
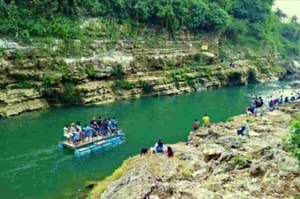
16,101
216,164
106,70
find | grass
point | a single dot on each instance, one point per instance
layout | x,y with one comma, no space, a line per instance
102,185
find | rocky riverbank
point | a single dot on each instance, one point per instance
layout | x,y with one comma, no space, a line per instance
101,71
218,164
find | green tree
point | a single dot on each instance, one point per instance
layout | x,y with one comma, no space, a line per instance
198,12
217,18
253,11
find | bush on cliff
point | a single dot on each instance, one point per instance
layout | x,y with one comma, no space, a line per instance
293,143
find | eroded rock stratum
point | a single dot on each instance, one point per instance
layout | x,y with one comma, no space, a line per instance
100,71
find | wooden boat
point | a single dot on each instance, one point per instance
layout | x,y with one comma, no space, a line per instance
98,144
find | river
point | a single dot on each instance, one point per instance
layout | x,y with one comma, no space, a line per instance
31,166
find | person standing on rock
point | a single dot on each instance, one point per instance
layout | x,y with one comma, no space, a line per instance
196,124
206,120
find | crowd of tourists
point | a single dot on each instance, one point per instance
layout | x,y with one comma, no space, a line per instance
97,128
258,107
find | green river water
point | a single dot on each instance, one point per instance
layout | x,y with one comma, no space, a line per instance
31,166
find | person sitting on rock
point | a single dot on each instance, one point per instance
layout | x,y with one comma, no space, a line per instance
159,146
169,152
271,105
244,129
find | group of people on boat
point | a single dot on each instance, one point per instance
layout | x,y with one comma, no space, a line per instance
75,133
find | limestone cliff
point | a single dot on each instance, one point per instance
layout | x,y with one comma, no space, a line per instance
101,71
218,164
16,101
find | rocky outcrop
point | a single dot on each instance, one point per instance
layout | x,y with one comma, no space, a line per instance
16,101
215,164
292,67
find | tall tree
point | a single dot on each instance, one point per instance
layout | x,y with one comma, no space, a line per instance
253,11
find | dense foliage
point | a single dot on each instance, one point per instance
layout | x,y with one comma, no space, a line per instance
293,143
251,23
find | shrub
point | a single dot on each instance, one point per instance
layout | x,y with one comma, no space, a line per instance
189,80
117,72
293,143
51,80
91,72
122,84
197,57
238,160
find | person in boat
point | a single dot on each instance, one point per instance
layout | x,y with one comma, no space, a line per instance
95,130
159,146
206,120
82,135
66,133
87,129
95,126
114,122
78,126
244,129
169,152
109,125
104,127
99,121
94,119
72,128
66,129
76,138
112,125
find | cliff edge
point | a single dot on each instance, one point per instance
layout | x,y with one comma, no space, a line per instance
219,164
